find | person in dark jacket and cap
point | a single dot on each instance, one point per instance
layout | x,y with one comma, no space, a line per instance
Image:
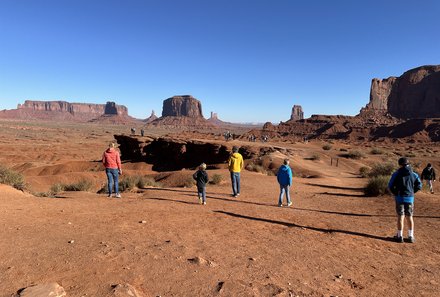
404,183
284,177
428,174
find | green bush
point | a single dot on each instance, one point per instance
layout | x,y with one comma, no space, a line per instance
327,147
216,179
12,178
377,186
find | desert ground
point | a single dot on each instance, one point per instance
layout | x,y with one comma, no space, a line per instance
333,241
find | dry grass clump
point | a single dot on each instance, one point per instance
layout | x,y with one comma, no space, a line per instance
353,155
384,169
377,151
216,179
259,168
376,186
128,183
327,147
82,185
12,178
364,171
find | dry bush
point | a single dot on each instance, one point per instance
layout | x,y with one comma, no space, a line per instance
82,185
327,147
353,155
376,186
364,171
314,157
384,169
12,178
216,179
377,151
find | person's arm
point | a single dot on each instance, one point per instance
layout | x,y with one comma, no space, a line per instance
391,184
195,175
433,174
290,176
118,161
417,183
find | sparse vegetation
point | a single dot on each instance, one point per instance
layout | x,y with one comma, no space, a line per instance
353,155
216,179
343,150
327,147
259,169
12,178
410,155
377,151
314,157
384,169
364,171
82,185
56,188
376,186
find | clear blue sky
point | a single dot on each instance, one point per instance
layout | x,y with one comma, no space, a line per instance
247,60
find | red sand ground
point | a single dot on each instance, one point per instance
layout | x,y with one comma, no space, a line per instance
332,242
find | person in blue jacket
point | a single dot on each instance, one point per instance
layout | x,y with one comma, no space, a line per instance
284,177
404,183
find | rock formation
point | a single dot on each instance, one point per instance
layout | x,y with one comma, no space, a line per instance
415,94
66,111
185,105
151,118
297,113
182,112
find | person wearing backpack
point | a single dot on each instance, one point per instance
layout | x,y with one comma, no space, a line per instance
428,174
404,183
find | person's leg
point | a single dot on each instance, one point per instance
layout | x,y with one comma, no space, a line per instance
280,198
204,195
409,211
400,210
289,202
430,186
116,179
233,183
237,178
109,181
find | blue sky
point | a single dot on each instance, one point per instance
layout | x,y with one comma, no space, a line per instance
247,60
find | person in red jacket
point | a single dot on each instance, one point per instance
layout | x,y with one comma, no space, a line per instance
112,163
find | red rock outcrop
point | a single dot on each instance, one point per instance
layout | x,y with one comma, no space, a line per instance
415,94
297,113
185,105
64,111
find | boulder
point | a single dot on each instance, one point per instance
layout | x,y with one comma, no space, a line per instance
43,290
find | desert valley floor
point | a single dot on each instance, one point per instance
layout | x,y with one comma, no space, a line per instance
333,241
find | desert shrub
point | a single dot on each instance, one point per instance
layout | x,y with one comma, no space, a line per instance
56,188
216,179
376,186
376,151
188,182
385,169
364,171
353,155
12,178
327,147
145,181
314,157
82,185
260,169
343,150
48,194
410,155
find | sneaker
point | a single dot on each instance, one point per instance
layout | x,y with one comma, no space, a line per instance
289,204
280,205
200,200
109,196
411,239
398,239
238,194
204,203
118,195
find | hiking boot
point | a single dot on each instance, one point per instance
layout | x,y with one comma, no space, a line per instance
411,239
118,195
398,239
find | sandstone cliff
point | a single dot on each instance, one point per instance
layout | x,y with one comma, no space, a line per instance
185,105
297,113
415,94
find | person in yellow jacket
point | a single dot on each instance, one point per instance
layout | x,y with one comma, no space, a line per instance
236,164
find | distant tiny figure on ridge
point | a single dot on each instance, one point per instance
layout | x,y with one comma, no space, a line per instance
202,179
235,165
112,163
142,132
428,174
133,131
284,177
404,183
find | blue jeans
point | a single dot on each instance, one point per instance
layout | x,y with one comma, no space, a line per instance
112,177
201,192
235,180
284,189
